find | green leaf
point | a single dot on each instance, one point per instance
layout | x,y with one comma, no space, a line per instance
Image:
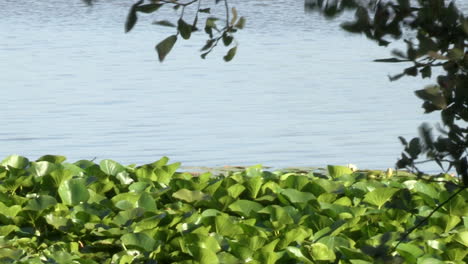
140,241
204,10
245,207
410,252
380,196
337,171
147,202
296,196
254,184
226,227
165,46
164,23
5,230
15,161
41,168
241,23
111,167
9,212
189,196
148,8
40,203
462,238
132,16
73,191
235,190
319,251
52,158
297,254
184,29
231,53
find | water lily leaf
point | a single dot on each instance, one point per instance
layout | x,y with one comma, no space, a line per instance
52,159
5,230
410,252
426,189
125,201
245,207
235,190
320,251
140,241
336,171
73,191
40,203
380,196
226,227
147,202
9,212
240,251
205,255
124,178
189,196
462,238
352,253
296,196
111,167
457,206
15,161
456,254
297,254
253,185
41,168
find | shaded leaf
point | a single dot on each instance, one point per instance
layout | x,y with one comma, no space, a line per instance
165,46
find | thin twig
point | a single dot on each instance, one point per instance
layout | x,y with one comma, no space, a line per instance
227,12
426,218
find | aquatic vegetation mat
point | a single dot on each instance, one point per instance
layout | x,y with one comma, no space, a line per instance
52,211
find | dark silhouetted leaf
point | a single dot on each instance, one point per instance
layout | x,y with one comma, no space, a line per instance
165,46
231,53
164,23
132,16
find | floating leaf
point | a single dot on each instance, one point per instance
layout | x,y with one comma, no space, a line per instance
189,196
319,251
245,207
73,191
15,161
40,203
139,240
380,196
337,171
111,167
52,158
296,196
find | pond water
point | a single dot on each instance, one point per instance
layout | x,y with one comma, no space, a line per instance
300,91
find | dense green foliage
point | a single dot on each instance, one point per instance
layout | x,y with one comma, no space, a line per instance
52,211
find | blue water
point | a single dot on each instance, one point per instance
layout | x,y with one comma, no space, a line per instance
300,92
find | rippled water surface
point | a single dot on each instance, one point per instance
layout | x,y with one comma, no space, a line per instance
300,92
